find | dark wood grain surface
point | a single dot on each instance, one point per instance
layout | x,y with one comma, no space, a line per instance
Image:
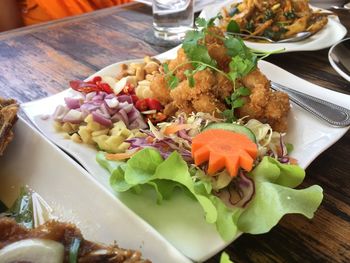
39,61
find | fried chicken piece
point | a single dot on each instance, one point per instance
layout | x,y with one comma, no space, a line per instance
206,103
65,233
160,89
8,117
224,87
216,48
183,95
264,104
181,59
170,109
276,111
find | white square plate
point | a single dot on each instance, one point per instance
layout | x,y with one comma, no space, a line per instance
181,220
75,196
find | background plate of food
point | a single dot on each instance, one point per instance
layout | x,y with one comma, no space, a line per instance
70,195
133,123
279,20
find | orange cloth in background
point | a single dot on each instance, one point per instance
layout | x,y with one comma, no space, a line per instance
37,11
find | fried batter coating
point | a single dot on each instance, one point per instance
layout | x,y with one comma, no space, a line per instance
181,59
216,48
212,88
160,89
264,104
200,97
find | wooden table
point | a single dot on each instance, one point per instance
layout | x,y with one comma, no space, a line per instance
39,61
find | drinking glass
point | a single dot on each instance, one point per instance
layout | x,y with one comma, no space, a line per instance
172,18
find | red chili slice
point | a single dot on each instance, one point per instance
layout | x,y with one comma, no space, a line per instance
154,104
141,105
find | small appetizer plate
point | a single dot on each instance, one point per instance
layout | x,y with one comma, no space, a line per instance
75,196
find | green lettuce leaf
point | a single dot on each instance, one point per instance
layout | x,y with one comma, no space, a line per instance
274,194
274,198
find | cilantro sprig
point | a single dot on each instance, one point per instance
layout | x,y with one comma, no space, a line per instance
235,101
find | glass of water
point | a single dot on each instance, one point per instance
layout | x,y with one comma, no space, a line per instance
172,18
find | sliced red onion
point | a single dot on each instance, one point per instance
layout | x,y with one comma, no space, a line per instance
138,124
118,117
125,116
89,106
90,95
60,112
99,118
105,111
73,116
239,192
110,96
72,103
248,189
127,107
125,98
112,102
133,115
183,134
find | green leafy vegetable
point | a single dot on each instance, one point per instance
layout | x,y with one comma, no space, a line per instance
233,27
22,209
290,14
73,250
225,258
274,196
138,175
172,80
235,101
269,14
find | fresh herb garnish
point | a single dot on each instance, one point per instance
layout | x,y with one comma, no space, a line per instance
250,26
235,101
269,14
233,27
290,14
22,209
73,250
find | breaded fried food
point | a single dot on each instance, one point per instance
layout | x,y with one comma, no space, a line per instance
160,89
212,88
264,104
8,117
179,63
216,48
201,97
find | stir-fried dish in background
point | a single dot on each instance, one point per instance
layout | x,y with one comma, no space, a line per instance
275,19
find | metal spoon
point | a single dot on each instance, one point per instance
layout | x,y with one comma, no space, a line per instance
339,57
297,37
333,114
